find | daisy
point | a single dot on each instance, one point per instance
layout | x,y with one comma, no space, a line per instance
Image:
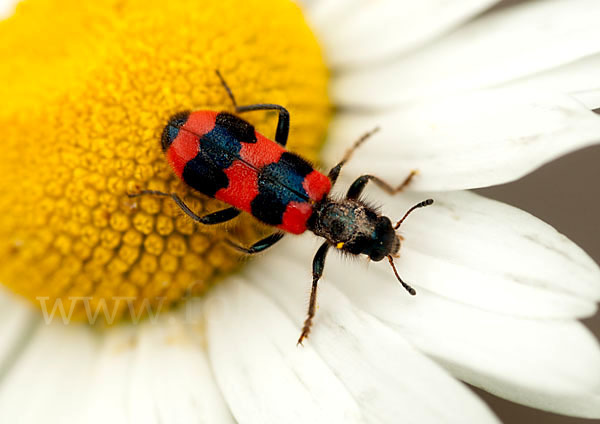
468,94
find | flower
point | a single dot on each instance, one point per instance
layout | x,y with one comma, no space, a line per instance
499,292
68,219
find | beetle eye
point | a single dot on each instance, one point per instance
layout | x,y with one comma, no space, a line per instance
383,239
172,129
377,255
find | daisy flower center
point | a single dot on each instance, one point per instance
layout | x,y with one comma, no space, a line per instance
91,88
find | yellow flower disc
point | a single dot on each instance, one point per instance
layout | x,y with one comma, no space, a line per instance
87,88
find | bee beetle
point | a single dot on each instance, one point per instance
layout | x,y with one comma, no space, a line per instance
222,156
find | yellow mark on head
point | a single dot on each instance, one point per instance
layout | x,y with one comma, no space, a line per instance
339,245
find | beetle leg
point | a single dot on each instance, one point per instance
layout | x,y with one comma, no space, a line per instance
334,173
318,265
283,123
359,184
260,245
217,217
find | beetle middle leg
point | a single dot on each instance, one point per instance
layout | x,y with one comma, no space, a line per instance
318,266
217,217
283,123
359,184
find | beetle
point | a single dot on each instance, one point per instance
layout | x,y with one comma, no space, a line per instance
222,156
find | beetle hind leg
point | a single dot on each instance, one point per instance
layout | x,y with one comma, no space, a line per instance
283,123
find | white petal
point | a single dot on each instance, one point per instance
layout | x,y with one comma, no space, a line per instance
385,29
548,364
7,8
590,98
264,377
171,379
153,373
474,140
579,79
50,380
380,369
507,44
109,383
323,14
512,261
18,322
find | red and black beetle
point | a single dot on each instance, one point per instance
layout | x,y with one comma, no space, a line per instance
222,156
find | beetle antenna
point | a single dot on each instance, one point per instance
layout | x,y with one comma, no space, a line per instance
406,286
417,206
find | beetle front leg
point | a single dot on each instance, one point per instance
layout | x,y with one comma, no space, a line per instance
318,265
334,173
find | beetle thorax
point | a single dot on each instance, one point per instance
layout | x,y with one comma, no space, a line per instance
340,221
354,227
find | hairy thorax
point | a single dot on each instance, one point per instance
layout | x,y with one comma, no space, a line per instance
344,221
